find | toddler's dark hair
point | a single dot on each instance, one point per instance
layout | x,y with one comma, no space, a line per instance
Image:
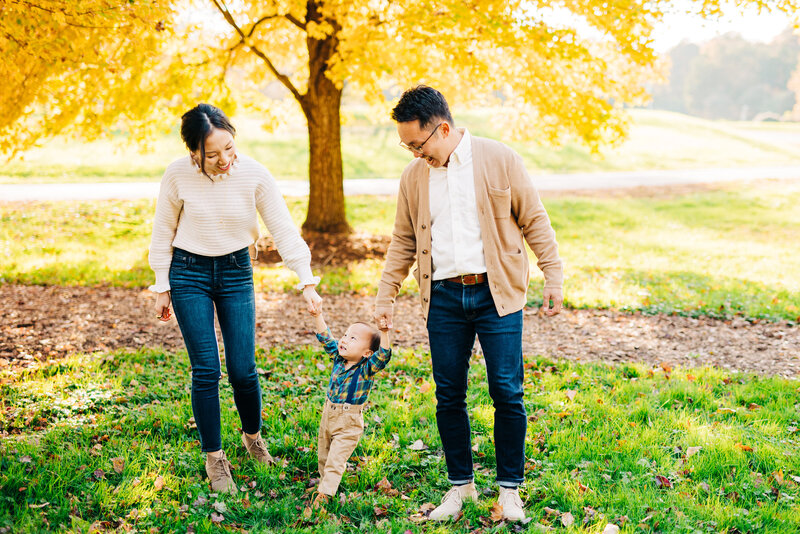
375,336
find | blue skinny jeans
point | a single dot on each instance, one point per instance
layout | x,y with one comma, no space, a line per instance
199,284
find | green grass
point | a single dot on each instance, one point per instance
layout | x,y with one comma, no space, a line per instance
718,253
598,438
657,140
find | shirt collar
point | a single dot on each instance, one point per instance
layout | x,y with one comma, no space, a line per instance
464,148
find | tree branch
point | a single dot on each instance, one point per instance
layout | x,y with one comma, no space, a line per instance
299,23
220,4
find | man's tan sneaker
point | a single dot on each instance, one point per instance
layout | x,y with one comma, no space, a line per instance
453,500
257,449
218,469
512,504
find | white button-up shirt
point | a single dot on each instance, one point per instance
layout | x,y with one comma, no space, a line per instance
456,244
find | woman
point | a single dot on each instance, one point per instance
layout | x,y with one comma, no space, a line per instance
205,221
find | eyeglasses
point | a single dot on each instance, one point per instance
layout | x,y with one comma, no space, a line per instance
418,149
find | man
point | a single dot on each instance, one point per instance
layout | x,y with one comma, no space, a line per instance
464,206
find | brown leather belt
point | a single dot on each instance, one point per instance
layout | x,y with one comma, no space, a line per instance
469,279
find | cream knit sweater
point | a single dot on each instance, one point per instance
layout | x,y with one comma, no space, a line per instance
217,216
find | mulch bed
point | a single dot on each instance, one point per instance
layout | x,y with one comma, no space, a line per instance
43,324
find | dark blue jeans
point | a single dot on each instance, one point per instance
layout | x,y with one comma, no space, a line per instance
198,285
457,313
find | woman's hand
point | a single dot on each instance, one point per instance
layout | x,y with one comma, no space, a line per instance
162,306
313,300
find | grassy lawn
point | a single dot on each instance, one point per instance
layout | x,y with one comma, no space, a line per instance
657,140
106,442
717,253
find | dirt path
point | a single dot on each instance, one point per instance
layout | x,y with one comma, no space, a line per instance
45,323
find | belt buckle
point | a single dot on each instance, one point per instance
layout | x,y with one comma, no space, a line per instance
465,277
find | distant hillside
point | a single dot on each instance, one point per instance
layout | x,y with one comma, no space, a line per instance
731,78
658,140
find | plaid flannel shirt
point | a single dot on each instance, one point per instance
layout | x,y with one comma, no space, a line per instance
352,385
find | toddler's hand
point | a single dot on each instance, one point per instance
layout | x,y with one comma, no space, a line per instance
383,324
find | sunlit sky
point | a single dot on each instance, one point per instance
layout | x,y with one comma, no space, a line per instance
752,25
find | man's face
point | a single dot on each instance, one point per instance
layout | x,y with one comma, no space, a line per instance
426,143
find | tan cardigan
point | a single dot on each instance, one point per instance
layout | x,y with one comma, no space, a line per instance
509,210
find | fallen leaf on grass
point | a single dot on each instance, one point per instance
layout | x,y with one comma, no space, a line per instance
385,487
745,448
663,482
158,483
119,464
217,518
418,446
38,505
551,511
691,451
666,367
496,513
753,406
425,387
610,529
570,393
567,520
99,474
200,501
380,511
25,459
220,507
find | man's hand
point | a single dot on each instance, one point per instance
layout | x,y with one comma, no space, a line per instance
383,318
554,294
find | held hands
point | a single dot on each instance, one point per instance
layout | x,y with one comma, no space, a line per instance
554,294
313,300
383,319
163,311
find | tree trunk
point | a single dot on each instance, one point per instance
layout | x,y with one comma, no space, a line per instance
321,106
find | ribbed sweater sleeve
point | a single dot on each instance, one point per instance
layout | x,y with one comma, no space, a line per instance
165,224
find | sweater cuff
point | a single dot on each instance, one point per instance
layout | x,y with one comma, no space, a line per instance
310,281
162,282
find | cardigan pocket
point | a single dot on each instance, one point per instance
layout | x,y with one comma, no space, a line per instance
501,202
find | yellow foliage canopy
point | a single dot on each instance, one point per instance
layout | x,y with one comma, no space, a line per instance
85,66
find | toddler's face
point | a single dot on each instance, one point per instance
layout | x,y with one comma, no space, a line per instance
354,344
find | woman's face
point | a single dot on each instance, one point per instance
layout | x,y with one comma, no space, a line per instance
220,152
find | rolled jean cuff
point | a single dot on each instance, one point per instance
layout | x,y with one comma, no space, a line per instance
509,483
460,482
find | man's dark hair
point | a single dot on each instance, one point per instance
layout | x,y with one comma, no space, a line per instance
424,104
375,337
198,123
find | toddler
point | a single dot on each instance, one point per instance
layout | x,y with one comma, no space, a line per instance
357,357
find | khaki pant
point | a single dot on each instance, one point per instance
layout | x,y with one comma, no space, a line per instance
339,431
